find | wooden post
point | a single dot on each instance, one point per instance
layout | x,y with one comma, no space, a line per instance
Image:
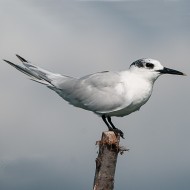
106,161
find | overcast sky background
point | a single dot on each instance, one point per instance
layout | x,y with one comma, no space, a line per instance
46,143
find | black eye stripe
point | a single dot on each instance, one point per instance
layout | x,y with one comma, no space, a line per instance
150,65
141,63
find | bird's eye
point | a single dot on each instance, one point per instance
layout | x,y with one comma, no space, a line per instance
149,65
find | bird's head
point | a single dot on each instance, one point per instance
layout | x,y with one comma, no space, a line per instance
151,69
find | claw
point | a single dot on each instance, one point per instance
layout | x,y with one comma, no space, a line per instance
118,131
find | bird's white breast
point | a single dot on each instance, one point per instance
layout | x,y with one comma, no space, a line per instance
138,91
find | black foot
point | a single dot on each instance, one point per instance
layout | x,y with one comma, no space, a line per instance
111,126
118,131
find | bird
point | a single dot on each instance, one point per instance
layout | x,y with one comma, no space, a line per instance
108,93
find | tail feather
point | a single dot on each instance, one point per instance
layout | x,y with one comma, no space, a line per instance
22,69
35,73
44,74
21,58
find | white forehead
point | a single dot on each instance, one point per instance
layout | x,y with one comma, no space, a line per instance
153,61
141,64
157,64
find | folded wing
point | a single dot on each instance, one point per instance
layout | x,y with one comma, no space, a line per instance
100,92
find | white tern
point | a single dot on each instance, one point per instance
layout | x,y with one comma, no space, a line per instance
105,93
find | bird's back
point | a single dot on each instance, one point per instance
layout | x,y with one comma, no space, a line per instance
101,92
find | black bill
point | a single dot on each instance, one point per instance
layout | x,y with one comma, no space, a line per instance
170,71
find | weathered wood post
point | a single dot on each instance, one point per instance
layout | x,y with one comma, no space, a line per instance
106,161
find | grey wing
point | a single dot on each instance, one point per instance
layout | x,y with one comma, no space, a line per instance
100,92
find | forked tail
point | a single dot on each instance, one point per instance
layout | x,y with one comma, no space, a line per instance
35,73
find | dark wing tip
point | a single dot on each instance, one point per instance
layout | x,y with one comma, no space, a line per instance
21,58
7,61
10,63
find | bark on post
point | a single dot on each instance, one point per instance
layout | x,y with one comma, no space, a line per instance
106,161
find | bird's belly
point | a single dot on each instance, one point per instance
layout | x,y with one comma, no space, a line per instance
125,111
134,106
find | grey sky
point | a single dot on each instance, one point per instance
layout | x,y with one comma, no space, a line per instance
46,143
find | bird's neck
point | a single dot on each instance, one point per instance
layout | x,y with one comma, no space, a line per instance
139,88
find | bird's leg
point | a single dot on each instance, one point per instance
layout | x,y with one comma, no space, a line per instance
106,122
114,128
